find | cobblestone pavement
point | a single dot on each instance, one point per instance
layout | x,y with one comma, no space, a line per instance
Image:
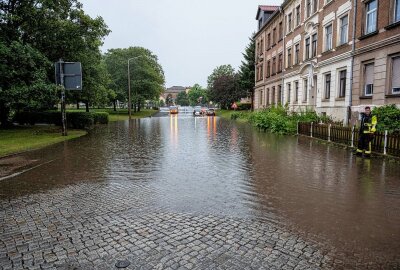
92,226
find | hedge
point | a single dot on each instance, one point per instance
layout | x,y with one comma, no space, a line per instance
77,120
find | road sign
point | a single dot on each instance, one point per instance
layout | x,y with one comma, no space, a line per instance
69,74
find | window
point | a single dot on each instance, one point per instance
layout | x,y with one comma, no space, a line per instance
315,5
342,83
298,15
289,57
327,86
305,87
397,11
289,90
290,22
280,31
280,62
344,28
267,94
261,98
296,91
308,48
273,96
308,8
396,75
314,45
369,79
328,37
370,23
273,66
279,94
269,40
268,68
262,46
296,54
273,36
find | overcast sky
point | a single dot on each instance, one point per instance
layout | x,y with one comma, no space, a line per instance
190,37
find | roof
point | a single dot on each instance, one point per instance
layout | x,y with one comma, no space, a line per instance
176,89
266,8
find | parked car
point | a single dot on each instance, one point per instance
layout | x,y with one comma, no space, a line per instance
173,110
210,112
197,111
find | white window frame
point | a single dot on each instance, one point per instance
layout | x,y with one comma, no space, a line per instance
330,85
397,91
367,13
328,39
396,11
340,41
366,85
340,84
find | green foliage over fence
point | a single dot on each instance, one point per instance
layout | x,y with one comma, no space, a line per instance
77,120
388,118
279,119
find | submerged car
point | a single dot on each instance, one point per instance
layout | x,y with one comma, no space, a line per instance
210,112
173,110
197,111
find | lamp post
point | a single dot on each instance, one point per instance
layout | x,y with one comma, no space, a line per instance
129,87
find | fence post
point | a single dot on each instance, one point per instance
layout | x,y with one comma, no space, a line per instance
385,144
329,132
352,136
311,129
298,122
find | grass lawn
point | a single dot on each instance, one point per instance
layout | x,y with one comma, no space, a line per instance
19,139
120,114
227,114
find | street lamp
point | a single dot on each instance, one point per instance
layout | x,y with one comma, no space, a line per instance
129,87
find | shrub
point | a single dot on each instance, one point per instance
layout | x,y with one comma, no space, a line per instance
244,106
388,118
100,118
80,120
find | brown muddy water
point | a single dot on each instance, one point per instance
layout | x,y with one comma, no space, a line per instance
211,165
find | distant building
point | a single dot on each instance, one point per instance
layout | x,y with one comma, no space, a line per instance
172,93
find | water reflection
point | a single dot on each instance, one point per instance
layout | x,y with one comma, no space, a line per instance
212,166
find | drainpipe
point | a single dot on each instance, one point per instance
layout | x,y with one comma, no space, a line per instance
284,55
353,48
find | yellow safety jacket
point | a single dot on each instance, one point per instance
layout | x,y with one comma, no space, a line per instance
368,124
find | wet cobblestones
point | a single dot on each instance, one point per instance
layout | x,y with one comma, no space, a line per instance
91,226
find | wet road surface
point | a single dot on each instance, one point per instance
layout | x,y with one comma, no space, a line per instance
199,193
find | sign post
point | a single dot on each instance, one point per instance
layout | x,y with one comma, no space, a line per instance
69,77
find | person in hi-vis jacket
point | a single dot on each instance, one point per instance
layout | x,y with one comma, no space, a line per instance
367,131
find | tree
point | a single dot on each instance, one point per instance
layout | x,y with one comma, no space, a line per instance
146,74
35,34
169,100
182,99
225,90
197,95
219,71
247,71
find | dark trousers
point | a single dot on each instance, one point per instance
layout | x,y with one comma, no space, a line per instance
364,143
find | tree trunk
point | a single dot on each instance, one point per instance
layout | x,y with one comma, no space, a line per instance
4,113
138,107
77,104
87,106
115,105
134,107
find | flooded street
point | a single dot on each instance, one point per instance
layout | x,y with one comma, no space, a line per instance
250,200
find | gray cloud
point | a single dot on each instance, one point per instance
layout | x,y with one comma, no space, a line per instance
190,37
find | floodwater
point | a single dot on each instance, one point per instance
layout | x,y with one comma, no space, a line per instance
213,166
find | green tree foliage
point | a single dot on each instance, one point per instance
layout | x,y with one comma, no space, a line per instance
47,30
224,70
247,71
197,95
182,99
224,87
146,74
388,118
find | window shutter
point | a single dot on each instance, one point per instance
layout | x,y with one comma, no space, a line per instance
369,74
396,73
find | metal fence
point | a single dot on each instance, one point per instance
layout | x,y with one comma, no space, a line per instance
382,143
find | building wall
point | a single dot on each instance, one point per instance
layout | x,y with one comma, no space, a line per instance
378,48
